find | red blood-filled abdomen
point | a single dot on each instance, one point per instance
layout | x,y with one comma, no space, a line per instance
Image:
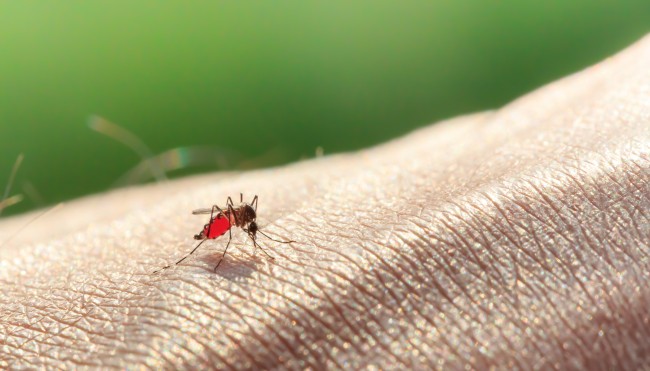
218,227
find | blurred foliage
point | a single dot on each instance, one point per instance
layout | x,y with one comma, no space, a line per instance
269,81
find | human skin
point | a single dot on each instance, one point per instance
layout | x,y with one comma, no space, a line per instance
517,238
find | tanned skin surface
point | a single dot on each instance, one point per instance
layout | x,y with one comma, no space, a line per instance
513,238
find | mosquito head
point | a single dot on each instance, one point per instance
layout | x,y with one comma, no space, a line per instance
253,228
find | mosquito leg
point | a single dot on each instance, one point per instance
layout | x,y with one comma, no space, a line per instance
254,203
231,211
185,257
273,239
229,202
241,197
221,213
251,235
212,212
212,218
226,249
260,247
214,207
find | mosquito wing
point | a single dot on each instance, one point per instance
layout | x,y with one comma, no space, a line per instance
205,210
208,210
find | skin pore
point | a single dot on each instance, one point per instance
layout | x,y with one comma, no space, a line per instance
513,238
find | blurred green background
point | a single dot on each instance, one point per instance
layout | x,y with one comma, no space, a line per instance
268,82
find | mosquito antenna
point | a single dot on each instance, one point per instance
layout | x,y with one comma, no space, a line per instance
12,176
185,257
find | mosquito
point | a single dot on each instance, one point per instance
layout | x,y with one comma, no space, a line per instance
221,221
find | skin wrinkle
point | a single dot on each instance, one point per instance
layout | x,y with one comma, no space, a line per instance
638,189
576,183
205,346
185,317
171,363
330,360
366,294
421,314
441,290
314,316
446,267
335,332
28,327
480,237
566,268
513,255
268,343
617,221
67,311
207,355
574,216
189,351
553,307
637,210
508,288
603,252
472,256
511,223
538,261
620,310
37,354
543,262
182,346
341,314
192,319
279,294
459,285
530,212
464,242
471,246
396,301
367,331
390,270
447,295
386,349
619,360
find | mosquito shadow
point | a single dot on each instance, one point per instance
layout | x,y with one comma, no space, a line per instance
234,268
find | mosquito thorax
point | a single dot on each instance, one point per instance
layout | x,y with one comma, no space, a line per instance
248,214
